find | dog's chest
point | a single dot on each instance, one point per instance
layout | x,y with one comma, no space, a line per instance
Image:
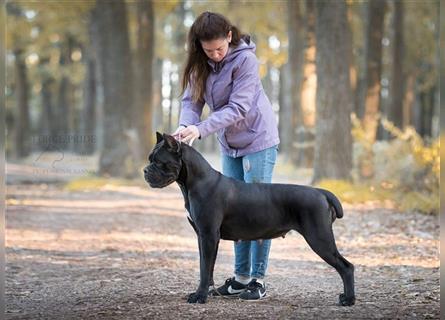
189,216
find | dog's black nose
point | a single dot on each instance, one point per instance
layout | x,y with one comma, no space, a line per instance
145,170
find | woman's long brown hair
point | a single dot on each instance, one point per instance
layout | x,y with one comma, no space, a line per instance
208,26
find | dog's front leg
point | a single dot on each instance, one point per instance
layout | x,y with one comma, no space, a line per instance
208,246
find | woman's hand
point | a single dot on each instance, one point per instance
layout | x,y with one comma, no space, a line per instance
187,134
175,134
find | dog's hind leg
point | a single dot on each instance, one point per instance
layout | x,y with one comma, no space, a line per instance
323,243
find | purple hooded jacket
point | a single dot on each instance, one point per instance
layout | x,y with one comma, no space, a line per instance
241,114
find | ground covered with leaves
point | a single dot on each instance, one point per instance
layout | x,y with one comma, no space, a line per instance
128,252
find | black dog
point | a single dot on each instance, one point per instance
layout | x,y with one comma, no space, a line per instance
225,208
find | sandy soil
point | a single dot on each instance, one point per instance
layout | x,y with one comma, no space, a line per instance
128,252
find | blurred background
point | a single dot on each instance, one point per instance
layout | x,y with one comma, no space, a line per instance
354,86
357,98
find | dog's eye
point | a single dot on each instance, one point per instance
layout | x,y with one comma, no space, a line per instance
160,164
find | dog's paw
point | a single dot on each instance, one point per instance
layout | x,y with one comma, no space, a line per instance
197,297
343,300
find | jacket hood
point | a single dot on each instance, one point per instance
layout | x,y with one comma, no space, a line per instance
245,44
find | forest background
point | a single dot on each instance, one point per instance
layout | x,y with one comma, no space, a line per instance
354,87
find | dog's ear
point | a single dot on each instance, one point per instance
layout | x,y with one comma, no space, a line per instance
158,137
172,143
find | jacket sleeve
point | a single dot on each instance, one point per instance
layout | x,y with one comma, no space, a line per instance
245,80
190,111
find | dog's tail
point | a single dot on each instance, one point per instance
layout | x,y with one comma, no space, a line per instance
333,203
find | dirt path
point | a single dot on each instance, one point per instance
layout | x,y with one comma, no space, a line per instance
129,253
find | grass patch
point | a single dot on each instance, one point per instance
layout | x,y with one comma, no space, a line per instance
425,203
355,193
97,183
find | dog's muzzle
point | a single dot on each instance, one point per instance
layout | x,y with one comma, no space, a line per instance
155,179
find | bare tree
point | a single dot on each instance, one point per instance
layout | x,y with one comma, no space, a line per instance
64,111
333,142
47,119
373,58
143,109
285,113
296,58
22,116
375,13
395,113
114,61
88,114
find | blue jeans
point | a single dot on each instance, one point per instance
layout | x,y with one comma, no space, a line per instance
251,257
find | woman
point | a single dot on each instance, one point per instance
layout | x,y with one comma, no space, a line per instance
222,71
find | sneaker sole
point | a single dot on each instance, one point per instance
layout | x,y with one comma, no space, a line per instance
255,300
213,293
232,296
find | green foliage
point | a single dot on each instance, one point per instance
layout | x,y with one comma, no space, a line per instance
426,156
421,27
18,30
423,202
42,31
354,193
165,47
48,19
407,165
357,24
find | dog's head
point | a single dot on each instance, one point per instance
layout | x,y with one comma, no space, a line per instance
164,162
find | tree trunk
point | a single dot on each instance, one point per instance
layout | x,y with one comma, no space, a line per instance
408,103
436,130
427,107
416,117
99,96
88,114
180,38
305,135
158,118
359,92
115,68
285,112
309,85
143,109
62,108
170,108
22,128
47,122
180,42
88,119
333,141
64,111
373,58
296,58
47,119
373,71
395,113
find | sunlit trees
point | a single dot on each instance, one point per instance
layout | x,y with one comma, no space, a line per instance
114,61
65,77
142,113
333,142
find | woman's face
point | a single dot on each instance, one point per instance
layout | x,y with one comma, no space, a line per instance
217,49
